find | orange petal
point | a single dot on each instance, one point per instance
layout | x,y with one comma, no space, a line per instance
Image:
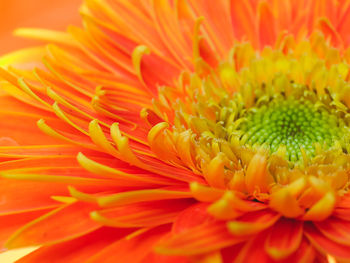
10,223
253,251
343,208
243,205
24,196
19,123
155,70
170,32
205,193
123,178
329,31
257,177
67,222
203,238
194,215
335,229
304,254
252,223
325,245
145,214
130,249
342,213
285,203
141,196
224,208
39,151
230,206
243,21
217,23
266,22
322,209
12,99
343,26
76,250
215,171
279,245
283,12
157,258
194,230
229,254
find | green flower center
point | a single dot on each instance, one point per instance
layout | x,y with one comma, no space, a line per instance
295,124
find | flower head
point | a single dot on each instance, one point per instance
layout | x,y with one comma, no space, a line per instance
180,131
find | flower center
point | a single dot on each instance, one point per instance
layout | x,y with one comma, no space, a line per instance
273,123
295,124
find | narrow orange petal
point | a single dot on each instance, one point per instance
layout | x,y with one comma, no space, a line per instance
200,239
169,30
243,22
266,22
24,196
322,209
335,229
325,245
145,214
141,195
285,203
281,246
10,223
76,250
343,26
205,193
257,177
328,29
253,222
67,222
253,250
194,215
304,254
217,24
154,257
133,249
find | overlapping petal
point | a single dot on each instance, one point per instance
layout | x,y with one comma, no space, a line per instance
114,137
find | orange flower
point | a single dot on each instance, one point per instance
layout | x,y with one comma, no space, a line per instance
180,131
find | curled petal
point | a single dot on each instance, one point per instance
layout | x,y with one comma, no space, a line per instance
252,223
204,193
322,209
257,175
285,203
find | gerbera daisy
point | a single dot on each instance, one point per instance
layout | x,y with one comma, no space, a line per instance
180,131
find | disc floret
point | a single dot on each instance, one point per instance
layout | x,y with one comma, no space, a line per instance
293,123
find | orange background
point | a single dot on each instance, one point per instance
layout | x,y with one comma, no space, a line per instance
49,14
